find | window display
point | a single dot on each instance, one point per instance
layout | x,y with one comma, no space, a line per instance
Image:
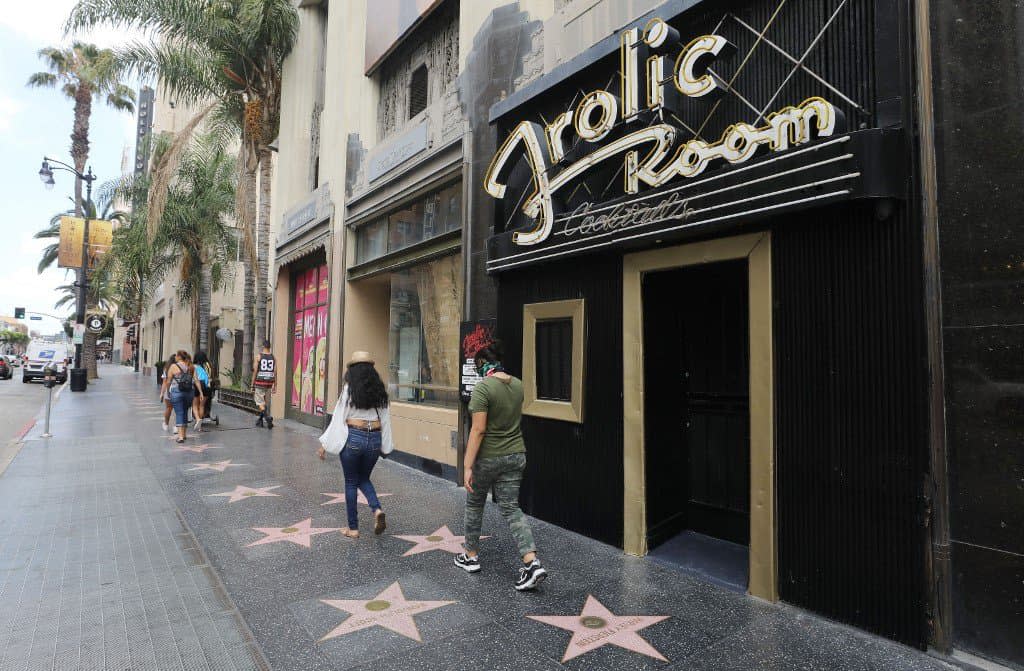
419,221
426,304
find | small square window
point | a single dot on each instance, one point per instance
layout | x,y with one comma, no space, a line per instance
553,360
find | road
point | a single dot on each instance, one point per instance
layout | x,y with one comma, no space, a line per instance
19,405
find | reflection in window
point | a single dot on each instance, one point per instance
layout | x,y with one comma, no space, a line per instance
426,303
437,214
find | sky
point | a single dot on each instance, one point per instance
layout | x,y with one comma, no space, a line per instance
36,123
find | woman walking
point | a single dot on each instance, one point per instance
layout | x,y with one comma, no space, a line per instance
202,367
495,459
165,395
360,431
183,386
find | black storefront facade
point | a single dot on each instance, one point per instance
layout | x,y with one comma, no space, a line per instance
708,257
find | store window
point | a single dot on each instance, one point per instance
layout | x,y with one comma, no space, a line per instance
420,221
553,356
426,304
308,368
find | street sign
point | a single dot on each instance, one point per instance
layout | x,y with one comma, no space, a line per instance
79,334
95,323
36,318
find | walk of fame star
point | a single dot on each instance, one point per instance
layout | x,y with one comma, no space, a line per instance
340,498
198,449
214,465
298,533
241,492
442,539
389,609
597,626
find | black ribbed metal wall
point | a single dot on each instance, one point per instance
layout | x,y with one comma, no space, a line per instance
851,448
574,471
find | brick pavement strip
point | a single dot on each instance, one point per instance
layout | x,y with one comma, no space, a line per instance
116,552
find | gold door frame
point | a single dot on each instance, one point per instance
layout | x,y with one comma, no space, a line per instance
756,248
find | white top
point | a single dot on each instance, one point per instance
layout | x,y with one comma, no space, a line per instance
337,433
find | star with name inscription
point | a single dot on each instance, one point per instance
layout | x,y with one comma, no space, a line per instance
389,609
241,492
198,449
340,498
442,539
214,466
298,533
597,626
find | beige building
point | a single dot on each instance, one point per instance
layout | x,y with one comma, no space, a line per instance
167,323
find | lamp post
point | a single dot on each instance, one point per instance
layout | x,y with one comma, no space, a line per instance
46,175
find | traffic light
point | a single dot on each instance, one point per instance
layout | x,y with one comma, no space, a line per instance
19,313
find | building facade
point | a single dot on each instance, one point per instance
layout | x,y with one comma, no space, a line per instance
763,317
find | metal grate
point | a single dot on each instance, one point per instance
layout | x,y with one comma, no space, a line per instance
554,359
418,91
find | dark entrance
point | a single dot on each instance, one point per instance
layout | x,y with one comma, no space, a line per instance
696,389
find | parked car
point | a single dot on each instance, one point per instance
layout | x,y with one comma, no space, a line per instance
6,372
14,360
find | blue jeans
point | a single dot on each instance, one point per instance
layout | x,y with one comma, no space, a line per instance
182,403
357,461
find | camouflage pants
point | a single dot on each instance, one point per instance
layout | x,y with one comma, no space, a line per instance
503,474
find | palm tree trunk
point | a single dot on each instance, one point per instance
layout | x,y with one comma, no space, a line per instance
263,244
79,156
205,289
247,318
89,354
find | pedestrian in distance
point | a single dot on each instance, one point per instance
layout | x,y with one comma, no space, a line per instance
183,387
202,365
495,461
265,378
360,432
165,394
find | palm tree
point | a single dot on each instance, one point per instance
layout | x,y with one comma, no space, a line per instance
195,229
83,72
230,52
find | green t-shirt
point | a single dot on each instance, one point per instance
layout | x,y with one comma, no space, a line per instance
503,403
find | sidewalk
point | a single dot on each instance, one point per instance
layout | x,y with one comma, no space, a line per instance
99,571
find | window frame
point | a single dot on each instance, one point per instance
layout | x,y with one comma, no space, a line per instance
566,411
426,89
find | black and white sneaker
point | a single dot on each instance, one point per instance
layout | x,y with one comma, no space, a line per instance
270,422
530,576
467,563
259,421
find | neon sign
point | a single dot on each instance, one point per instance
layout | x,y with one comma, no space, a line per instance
654,154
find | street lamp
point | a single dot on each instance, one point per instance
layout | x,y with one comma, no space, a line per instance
78,375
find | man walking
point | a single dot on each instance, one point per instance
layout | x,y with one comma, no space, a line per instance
265,378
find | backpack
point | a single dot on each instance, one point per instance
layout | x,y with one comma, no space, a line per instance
184,379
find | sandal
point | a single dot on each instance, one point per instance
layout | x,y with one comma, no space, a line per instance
380,523
349,533
179,441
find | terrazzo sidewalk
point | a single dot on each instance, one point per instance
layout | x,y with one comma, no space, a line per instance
99,567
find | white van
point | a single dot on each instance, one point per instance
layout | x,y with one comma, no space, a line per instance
41,354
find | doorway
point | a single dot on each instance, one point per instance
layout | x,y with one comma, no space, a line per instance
697,417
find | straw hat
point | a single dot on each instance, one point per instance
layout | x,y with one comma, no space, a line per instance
359,356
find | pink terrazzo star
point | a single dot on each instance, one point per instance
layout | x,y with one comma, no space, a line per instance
298,533
597,626
241,492
214,465
340,498
442,539
389,609
198,449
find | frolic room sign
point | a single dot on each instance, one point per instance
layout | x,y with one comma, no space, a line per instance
634,127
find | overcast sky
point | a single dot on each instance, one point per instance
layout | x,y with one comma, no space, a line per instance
34,123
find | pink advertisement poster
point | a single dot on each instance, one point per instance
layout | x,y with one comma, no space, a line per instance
322,296
300,290
308,359
311,287
320,363
296,359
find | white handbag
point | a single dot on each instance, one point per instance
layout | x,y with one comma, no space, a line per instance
336,435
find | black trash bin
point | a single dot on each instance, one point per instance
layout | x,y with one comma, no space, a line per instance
79,379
